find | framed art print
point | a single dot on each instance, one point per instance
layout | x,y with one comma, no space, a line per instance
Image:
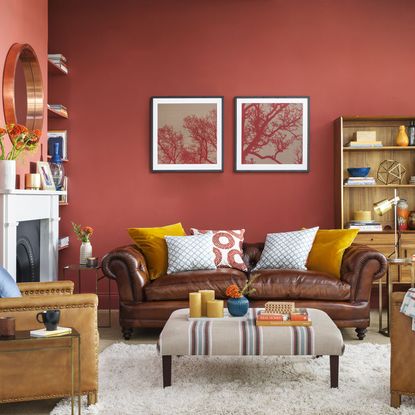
272,134
46,178
187,134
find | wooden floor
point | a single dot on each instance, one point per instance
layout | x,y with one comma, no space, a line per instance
112,335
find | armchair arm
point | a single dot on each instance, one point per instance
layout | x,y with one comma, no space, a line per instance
128,267
46,288
360,266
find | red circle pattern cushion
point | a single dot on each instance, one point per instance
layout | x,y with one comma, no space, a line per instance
227,246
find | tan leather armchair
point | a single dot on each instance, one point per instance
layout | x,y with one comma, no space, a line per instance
402,353
46,374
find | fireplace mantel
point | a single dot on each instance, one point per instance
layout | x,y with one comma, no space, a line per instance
23,205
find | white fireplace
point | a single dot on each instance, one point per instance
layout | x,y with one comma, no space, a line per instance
17,206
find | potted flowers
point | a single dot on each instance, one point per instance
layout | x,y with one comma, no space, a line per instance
237,303
22,140
83,233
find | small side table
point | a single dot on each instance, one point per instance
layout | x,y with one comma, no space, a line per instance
34,344
398,262
98,277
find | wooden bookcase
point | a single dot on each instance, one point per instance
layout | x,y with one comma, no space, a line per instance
349,199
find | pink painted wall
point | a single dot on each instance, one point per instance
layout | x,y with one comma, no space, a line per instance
24,21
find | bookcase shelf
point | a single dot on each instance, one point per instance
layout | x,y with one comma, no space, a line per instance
384,148
379,186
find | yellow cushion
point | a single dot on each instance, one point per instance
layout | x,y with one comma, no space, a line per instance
327,252
153,246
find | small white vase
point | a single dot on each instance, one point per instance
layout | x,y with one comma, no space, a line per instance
7,175
85,252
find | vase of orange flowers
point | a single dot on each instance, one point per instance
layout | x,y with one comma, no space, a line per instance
21,140
237,303
83,233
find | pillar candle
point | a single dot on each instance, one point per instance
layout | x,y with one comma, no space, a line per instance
195,305
215,308
207,295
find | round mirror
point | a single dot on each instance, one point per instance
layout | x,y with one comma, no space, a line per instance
22,88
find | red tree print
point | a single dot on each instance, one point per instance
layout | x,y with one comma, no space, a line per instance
272,133
196,145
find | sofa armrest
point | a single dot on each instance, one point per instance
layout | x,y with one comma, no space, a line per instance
46,288
362,265
128,267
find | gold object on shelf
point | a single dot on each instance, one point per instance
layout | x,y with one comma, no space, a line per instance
362,216
402,139
32,181
390,172
215,308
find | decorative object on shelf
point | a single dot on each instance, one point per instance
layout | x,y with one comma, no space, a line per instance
365,139
411,220
7,326
83,233
59,60
61,137
22,140
187,134
362,216
32,181
237,303
45,175
402,139
279,307
195,305
385,206
358,171
391,172
206,295
50,318
214,309
92,262
402,211
411,133
63,199
56,167
272,134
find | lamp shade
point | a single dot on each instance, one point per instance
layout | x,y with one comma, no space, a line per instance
385,205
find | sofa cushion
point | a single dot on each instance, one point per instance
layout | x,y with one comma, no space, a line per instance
287,284
178,286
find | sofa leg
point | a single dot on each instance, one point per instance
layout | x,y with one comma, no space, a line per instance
395,399
361,333
92,398
127,332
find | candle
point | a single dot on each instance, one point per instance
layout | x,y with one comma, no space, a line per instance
215,308
207,295
195,305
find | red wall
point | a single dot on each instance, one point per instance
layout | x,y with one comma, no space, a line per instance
350,57
25,21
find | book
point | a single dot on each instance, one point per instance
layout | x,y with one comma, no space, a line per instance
56,57
365,145
299,314
286,323
270,317
60,331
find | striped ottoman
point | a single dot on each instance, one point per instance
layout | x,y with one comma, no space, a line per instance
182,337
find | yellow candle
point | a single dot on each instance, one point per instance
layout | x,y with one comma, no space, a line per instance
195,305
215,308
207,295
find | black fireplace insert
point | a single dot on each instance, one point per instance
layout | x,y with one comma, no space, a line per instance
28,251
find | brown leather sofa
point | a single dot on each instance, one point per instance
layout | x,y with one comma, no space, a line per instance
402,353
146,303
46,374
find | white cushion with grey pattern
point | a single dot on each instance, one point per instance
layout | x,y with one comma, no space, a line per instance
190,253
287,250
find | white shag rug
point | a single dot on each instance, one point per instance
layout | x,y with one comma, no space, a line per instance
130,383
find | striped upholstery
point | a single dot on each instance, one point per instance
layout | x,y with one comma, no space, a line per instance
244,338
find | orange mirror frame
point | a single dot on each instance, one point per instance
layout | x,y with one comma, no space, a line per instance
34,86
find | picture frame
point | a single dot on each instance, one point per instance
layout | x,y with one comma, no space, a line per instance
46,178
186,134
63,199
60,136
272,134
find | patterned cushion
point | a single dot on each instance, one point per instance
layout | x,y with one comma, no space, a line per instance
287,250
189,253
227,247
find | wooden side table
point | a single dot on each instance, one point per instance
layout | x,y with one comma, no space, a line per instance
34,344
79,269
398,262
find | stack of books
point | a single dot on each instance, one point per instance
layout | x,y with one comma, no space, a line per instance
365,139
63,242
360,181
369,226
60,331
59,108
412,180
297,317
59,60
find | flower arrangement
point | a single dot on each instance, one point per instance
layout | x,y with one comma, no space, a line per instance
83,233
233,291
21,138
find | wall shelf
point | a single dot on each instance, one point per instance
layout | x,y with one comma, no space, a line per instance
54,69
55,114
390,148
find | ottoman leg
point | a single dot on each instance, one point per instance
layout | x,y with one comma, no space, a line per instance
166,362
334,371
